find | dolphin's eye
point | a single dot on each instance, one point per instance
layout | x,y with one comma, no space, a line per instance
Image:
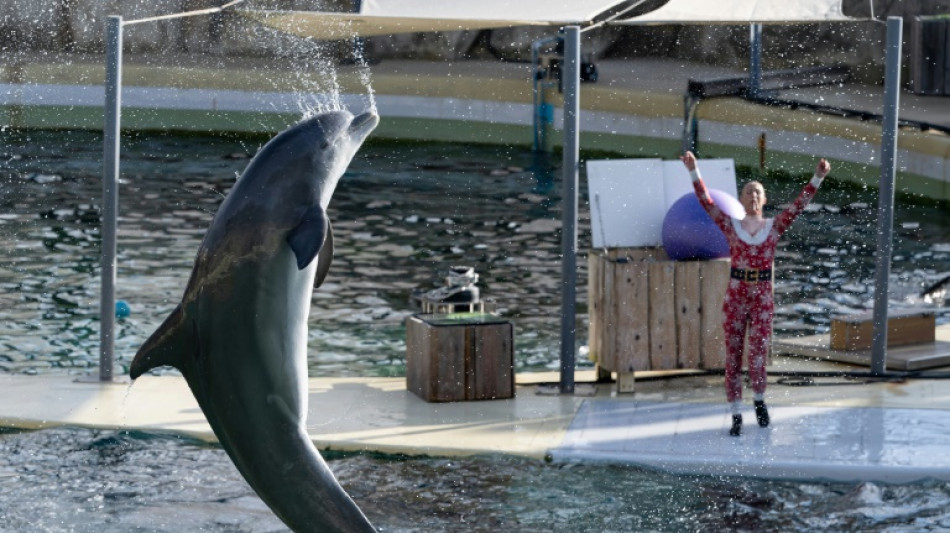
324,145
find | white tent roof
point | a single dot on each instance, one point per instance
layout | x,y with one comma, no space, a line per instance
741,12
547,12
384,17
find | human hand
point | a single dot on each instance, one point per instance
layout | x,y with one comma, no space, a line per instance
823,169
689,160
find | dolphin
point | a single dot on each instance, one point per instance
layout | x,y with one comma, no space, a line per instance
239,335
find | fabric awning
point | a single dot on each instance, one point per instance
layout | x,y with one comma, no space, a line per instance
742,12
385,17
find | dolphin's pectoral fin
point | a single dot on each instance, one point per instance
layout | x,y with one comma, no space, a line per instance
306,239
167,346
325,257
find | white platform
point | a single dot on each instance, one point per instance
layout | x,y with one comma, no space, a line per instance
876,431
803,442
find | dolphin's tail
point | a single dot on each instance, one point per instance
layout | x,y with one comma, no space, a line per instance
279,461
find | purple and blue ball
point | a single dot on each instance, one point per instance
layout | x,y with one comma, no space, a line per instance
690,234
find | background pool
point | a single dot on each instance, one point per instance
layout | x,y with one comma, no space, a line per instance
402,216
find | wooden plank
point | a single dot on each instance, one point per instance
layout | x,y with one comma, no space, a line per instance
855,332
714,279
630,337
608,318
688,302
625,382
595,302
907,358
662,316
491,362
447,349
639,254
416,358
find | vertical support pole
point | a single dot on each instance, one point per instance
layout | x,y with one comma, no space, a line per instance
110,196
754,88
571,80
885,209
358,42
542,111
690,124
536,97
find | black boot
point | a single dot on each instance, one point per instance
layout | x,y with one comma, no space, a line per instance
761,413
736,426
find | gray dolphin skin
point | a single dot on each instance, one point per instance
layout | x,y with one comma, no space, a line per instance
239,335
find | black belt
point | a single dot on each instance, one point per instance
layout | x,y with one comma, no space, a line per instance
751,274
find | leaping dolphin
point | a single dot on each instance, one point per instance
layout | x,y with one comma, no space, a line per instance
239,335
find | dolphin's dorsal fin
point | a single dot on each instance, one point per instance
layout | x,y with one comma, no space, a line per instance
325,257
167,346
307,237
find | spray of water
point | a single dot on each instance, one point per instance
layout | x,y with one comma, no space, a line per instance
319,81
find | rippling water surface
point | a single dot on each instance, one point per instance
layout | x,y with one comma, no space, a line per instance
90,481
402,216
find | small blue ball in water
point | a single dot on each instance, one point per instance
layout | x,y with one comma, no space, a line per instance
122,309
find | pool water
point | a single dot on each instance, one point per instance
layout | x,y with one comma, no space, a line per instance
402,216
82,480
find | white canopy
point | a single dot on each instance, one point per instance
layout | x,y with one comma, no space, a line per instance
385,17
741,12
546,12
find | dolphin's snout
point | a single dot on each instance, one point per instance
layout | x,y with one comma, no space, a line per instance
364,123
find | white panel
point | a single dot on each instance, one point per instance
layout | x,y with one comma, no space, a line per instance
630,197
717,174
627,202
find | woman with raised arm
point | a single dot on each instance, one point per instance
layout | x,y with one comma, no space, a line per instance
748,303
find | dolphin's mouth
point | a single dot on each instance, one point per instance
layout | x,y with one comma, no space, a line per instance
364,123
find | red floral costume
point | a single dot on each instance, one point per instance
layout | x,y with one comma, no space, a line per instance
749,303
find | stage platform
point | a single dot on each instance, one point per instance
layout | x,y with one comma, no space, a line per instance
907,358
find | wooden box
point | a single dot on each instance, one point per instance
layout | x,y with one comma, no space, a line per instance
460,357
910,326
650,313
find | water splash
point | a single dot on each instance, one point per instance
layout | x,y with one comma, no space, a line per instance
322,73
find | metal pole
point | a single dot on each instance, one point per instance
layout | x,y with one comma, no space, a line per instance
570,75
110,195
690,105
537,120
755,61
535,112
885,209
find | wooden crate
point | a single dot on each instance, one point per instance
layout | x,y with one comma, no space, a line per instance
909,326
450,358
650,313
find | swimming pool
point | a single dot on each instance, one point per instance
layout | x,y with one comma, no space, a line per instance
402,216
81,480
